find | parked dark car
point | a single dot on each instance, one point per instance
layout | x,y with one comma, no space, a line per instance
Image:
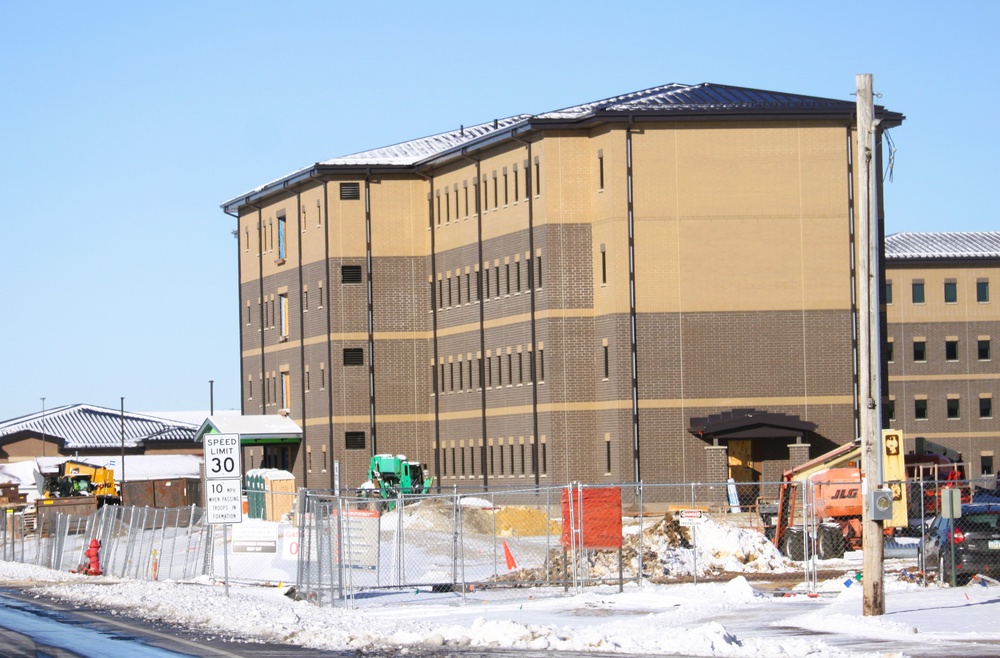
976,538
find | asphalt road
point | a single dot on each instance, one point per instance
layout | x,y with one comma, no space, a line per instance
37,627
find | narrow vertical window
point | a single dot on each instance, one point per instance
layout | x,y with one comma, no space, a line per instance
502,469
506,198
250,388
458,288
286,390
461,377
496,275
522,459
449,291
545,459
283,314
438,204
604,266
447,207
520,368
541,364
538,178
489,372
538,271
434,379
600,169
465,191
517,274
486,195
451,376
506,269
499,371
479,369
281,238
305,299
607,455
607,363
510,369
442,377
479,285
496,191
468,287
322,377
517,187
888,292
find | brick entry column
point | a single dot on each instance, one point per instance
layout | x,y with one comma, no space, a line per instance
798,454
716,470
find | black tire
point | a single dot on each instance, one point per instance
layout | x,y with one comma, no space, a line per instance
793,547
830,544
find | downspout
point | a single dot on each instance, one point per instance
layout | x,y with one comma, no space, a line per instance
302,344
852,238
326,311
371,313
483,449
434,333
532,288
634,346
262,305
239,305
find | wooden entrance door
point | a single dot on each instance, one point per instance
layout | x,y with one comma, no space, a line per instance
741,465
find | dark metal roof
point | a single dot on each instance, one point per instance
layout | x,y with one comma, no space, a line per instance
670,101
86,427
932,246
749,424
708,98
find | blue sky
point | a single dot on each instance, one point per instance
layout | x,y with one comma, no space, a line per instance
126,124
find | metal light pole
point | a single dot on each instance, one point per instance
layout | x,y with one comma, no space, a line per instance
211,397
43,427
121,481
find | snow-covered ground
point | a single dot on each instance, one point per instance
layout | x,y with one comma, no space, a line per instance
711,619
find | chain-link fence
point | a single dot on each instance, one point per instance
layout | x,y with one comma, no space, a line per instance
339,549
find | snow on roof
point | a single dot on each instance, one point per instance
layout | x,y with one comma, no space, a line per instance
137,467
980,244
86,427
270,424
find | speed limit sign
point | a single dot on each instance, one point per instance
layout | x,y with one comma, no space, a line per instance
222,456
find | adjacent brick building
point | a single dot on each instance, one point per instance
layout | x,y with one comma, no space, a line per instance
656,286
944,324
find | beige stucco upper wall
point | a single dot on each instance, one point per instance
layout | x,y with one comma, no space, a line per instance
934,308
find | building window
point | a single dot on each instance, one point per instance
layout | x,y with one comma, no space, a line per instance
451,376
510,369
950,292
465,192
354,440
600,169
250,388
486,283
517,275
541,364
281,238
951,350
322,376
920,409
350,274
506,198
350,191
890,352
545,460
538,271
283,314
607,455
248,313
891,410
919,350
918,292
538,178
489,372
888,292
286,390
953,408
523,460
986,464
607,364
499,370
983,349
308,380
354,356
517,186
449,292
604,266
305,299
982,291
986,407
486,194
320,285
441,369
506,270
496,277
520,368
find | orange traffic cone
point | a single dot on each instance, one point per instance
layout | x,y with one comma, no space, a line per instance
511,562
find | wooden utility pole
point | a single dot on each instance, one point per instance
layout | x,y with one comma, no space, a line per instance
869,281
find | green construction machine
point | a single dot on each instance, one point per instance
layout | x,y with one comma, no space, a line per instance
393,475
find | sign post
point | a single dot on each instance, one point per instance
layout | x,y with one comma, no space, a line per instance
223,486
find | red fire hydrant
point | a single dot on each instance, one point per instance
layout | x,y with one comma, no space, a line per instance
93,554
